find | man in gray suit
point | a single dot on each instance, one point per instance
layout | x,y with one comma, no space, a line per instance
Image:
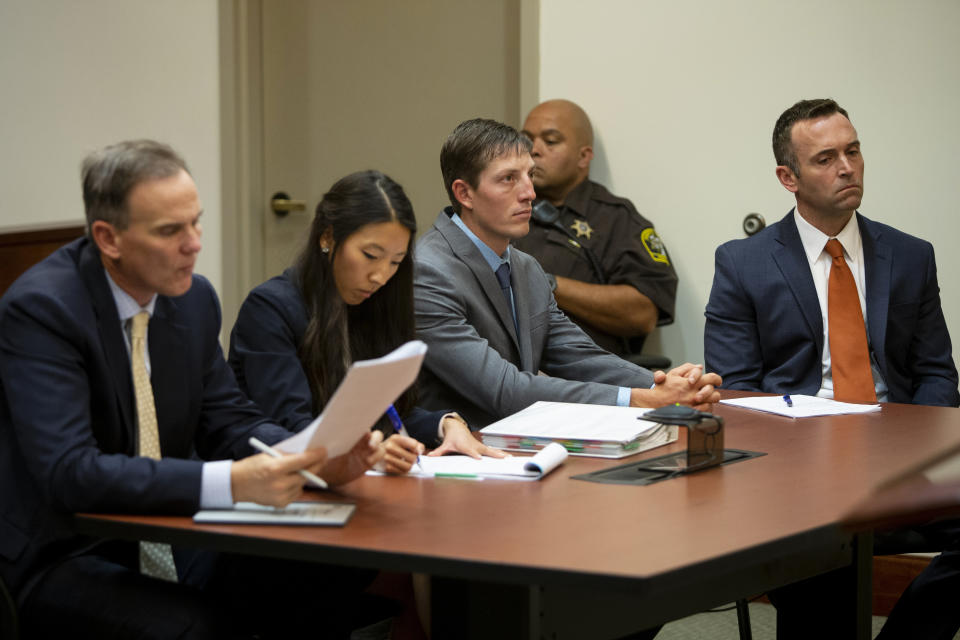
487,313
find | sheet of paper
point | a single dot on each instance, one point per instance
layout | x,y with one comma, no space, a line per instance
803,406
369,387
574,421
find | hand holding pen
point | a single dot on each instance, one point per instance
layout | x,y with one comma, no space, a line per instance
274,479
311,478
401,451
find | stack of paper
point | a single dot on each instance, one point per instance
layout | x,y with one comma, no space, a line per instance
800,406
582,429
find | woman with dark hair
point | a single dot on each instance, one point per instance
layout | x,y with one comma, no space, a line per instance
348,296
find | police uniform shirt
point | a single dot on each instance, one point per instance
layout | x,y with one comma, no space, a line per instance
625,243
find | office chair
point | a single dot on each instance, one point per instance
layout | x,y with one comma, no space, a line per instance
9,622
633,348
649,361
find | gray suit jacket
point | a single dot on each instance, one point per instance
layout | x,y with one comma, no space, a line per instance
476,361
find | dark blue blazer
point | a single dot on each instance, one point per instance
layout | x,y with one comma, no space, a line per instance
68,434
764,329
263,353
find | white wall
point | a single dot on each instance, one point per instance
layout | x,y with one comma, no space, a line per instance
684,94
75,76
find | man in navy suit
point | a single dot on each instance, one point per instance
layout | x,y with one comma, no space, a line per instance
768,327
75,435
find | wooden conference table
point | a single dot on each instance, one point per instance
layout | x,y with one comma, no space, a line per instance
567,558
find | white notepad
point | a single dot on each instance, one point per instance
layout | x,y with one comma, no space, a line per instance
305,513
513,468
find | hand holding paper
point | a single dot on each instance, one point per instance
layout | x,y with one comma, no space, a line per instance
369,387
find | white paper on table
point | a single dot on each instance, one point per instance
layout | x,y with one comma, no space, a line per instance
516,467
369,387
803,406
513,468
574,421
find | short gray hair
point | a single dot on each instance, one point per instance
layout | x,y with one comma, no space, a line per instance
110,174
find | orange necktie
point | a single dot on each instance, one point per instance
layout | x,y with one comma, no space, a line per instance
849,354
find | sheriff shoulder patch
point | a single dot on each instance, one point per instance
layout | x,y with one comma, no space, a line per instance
654,246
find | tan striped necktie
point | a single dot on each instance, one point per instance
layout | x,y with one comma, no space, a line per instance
156,559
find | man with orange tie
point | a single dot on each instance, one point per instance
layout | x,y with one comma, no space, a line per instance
828,303
782,298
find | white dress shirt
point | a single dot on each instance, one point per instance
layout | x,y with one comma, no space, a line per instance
820,261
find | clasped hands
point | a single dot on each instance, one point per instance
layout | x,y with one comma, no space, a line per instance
686,385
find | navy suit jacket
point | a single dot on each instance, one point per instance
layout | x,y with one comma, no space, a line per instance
263,353
764,329
68,428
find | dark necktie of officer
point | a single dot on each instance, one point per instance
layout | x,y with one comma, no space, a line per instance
849,352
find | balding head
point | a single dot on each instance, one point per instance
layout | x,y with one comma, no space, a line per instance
574,119
562,148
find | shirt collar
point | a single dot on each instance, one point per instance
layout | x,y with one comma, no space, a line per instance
127,307
814,240
578,198
488,254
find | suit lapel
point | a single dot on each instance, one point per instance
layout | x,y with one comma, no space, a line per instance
790,258
878,265
112,340
467,252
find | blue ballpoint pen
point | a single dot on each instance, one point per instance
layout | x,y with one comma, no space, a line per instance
787,399
398,426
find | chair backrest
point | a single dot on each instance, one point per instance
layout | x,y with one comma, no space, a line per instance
21,248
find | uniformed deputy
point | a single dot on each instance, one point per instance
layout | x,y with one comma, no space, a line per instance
628,287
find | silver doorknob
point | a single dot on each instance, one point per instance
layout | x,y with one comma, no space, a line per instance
281,204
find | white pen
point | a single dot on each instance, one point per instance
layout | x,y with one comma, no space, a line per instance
270,451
